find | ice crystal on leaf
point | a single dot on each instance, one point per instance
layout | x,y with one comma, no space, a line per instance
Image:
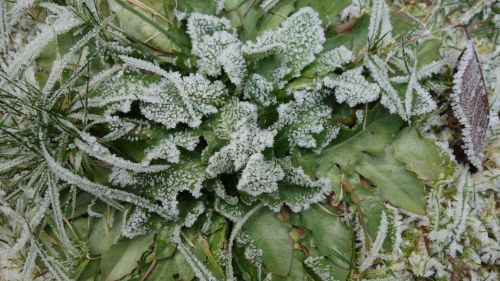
259,90
352,87
333,59
260,176
470,104
245,138
168,149
380,27
305,119
181,100
137,224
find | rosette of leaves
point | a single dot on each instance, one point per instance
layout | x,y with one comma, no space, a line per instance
212,140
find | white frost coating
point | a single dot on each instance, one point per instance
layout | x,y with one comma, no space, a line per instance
59,65
216,45
92,147
297,41
168,148
181,100
246,138
306,118
391,98
370,257
312,191
137,224
52,265
333,59
145,65
260,176
380,24
321,267
352,87
353,10
65,21
99,190
234,64
53,194
259,90
475,158
196,265
7,165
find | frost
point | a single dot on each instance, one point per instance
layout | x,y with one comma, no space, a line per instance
380,27
299,191
64,22
137,224
98,190
260,176
370,257
321,267
352,87
259,90
306,120
390,97
91,146
181,100
165,186
334,59
168,149
246,138
216,46
297,41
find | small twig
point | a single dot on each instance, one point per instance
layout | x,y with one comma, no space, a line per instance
150,269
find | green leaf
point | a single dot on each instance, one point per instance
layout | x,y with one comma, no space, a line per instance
297,270
122,258
422,156
103,236
91,271
332,237
163,271
348,149
397,185
371,210
271,236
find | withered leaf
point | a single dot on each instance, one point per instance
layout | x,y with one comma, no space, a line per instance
470,105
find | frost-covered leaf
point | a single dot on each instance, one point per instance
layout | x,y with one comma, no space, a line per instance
245,138
305,120
167,148
470,105
137,224
380,22
216,46
259,90
352,87
181,100
164,187
320,267
297,190
329,61
260,176
296,42
390,97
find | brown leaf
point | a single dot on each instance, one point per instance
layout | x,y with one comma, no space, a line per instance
470,105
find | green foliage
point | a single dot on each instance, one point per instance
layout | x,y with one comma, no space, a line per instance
234,140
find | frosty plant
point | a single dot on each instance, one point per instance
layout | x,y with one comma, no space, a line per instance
247,140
